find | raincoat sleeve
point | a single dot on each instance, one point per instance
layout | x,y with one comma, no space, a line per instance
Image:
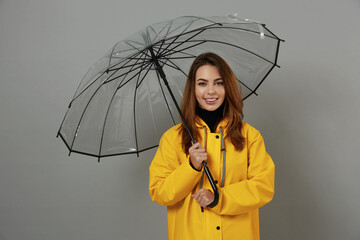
171,178
258,189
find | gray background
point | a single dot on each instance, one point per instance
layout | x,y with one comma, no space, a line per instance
307,112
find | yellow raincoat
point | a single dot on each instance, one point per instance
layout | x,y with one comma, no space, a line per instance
249,184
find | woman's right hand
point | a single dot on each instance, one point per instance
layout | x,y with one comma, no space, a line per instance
198,155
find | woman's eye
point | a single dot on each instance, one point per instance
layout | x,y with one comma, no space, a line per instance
201,84
220,83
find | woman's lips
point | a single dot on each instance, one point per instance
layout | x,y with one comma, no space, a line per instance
210,101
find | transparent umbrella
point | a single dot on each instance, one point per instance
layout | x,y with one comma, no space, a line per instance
129,98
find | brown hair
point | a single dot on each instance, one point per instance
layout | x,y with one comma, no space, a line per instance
233,103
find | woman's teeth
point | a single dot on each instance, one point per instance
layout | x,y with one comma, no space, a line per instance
210,100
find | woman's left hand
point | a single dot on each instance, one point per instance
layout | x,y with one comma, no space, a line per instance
204,197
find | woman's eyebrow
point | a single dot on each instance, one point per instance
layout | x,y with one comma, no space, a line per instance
202,79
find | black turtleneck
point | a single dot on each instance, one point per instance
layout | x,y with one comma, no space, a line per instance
211,118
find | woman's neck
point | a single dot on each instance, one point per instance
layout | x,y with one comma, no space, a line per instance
211,118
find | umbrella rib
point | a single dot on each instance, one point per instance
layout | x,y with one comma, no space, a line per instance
134,58
172,51
148,69
123,84
82,115
180,58
233,45
173,38
192,22
169,25
214,27
273,35
127,66
78,95
179,51
174,66
173,30
123,52
244,30
106,116
86,107
131,70
125,59
211,26
277,52
162,42
202,18
187,27
267,72
125,73
135,91
181,43
214,41
148,35
252,91
177,68
166,102
197,31
168,44
128,43
109,155
124,62
110,56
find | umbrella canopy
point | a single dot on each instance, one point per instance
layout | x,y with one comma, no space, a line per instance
123,105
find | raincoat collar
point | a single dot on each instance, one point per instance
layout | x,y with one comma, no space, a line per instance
199,123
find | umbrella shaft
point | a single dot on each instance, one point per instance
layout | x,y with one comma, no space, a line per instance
163,77
206,169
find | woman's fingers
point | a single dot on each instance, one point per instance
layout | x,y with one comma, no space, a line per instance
198,155
204,197
196,147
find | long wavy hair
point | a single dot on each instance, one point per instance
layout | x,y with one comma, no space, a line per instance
233,104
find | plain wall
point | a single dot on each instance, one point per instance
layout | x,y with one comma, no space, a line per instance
307,112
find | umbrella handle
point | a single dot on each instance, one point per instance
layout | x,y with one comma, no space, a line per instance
213,186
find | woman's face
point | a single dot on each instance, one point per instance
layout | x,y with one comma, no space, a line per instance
209,88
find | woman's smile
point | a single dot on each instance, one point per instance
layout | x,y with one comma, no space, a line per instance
209,88
210,100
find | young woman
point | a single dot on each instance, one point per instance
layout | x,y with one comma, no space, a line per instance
234,152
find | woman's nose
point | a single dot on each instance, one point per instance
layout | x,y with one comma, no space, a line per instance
211,91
